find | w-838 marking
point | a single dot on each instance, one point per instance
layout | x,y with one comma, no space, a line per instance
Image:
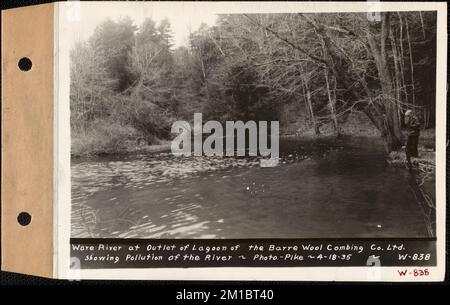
416,272
415,257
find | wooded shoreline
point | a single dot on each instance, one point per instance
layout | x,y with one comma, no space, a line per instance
130,83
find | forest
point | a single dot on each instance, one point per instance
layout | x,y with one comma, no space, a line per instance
315,73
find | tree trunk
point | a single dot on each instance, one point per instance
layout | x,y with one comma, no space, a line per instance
411,64
423,26
311,110
331,103
402,59
388,123
392,142
397,74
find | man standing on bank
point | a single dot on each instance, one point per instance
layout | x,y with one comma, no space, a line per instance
413,126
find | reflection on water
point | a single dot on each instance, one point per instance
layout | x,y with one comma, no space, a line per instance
338,192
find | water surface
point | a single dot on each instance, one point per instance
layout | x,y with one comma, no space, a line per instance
346,191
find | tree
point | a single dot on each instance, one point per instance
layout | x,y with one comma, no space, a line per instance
90,85
114,40
251,67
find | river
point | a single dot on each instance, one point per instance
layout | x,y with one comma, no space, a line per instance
344,189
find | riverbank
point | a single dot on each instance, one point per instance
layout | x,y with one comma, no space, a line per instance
423,167
111,138
127,149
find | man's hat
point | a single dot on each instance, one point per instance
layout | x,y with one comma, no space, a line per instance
408,112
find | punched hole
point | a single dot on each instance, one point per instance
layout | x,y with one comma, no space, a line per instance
25,64
24,219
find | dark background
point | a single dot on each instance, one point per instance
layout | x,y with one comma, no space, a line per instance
166,290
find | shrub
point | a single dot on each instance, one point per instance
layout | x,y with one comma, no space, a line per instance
103,136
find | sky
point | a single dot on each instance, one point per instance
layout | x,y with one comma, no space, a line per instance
183,17
81,18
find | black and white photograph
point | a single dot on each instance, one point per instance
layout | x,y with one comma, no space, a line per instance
225,143
354,95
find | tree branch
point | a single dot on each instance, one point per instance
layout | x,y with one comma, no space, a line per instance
293,45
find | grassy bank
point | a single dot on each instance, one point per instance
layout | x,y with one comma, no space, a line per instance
109,138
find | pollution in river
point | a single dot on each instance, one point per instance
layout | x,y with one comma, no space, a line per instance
343,188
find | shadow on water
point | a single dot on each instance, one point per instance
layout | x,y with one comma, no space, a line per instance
342,188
